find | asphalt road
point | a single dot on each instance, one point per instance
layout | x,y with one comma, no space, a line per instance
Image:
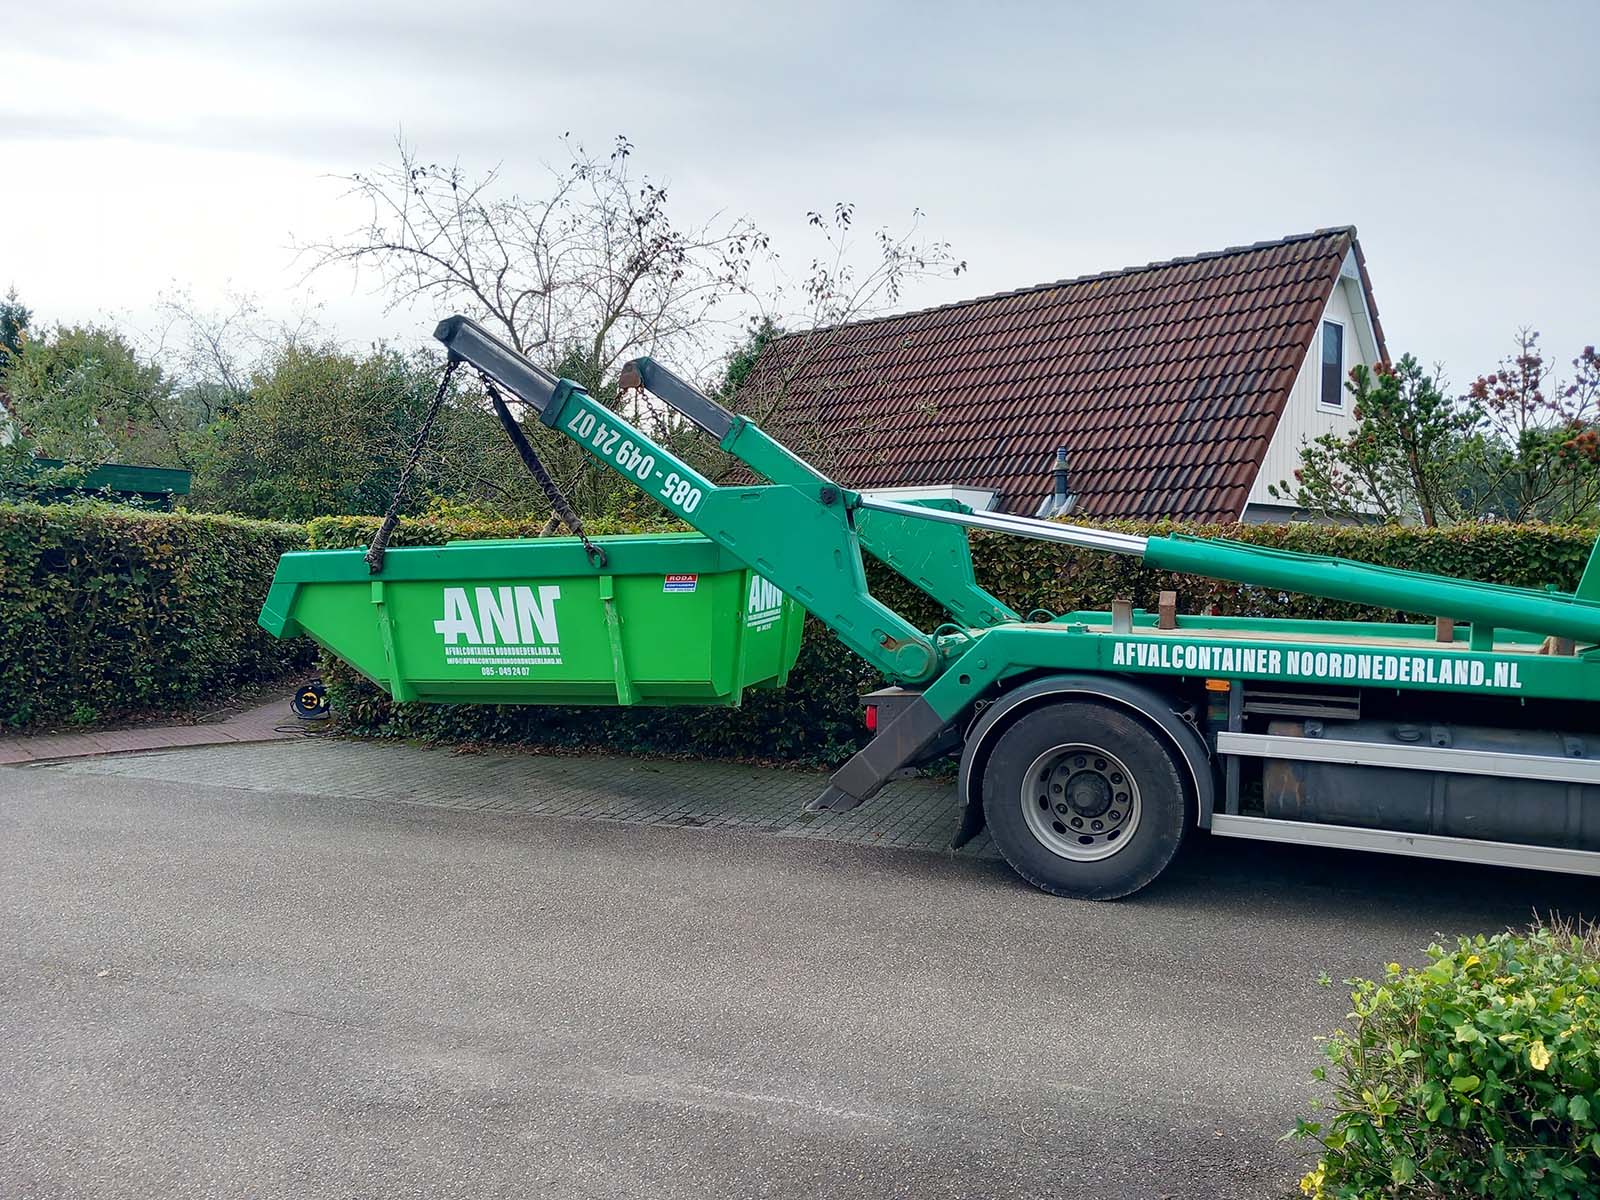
209,992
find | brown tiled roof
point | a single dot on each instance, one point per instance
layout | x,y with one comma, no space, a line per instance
1164,382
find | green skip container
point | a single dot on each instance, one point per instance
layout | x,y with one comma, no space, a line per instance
670,619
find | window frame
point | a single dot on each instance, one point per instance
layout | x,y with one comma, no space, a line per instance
1323,403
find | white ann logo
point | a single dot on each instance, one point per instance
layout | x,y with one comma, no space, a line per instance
766,603
505,616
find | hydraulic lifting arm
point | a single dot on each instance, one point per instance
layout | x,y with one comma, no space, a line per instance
1489,606
899,533
934,557
796,532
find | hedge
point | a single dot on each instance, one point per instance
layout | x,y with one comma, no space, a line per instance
1476,1075
107,610
817,720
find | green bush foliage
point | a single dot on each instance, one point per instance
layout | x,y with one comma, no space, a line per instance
80,393
1476,1075
817,718
107,610
322,431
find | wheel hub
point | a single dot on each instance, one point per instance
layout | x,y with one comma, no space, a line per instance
1081,802
1088,793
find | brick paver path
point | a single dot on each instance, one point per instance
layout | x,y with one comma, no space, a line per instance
912,813
259,724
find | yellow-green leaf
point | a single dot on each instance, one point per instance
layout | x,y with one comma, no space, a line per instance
1538,1055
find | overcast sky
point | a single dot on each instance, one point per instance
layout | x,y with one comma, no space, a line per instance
160,143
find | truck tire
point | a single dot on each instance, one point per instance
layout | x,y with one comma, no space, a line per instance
1085,800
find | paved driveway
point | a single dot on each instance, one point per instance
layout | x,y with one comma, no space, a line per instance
220,975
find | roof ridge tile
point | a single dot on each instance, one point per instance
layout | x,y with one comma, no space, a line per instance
1093,277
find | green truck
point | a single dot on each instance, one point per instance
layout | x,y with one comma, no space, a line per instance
1090,743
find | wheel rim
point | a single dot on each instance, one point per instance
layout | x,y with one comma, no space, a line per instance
1080,802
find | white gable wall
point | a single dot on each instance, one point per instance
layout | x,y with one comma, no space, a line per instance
1304,417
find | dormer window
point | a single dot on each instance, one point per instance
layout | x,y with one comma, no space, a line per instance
1332,364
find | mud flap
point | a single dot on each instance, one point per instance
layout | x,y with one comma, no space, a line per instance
972,823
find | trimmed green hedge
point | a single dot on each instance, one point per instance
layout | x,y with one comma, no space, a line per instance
817,719
107,610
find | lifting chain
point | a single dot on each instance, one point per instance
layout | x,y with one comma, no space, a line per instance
552,492
380,540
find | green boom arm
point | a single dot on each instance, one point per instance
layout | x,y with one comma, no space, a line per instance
935,557
798,534
933,553
801,532
1489,606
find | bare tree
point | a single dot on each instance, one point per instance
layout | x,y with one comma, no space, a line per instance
595,271
839,289
843,284
591,273
211,353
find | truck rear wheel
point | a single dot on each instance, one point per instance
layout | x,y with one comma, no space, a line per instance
1085,800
